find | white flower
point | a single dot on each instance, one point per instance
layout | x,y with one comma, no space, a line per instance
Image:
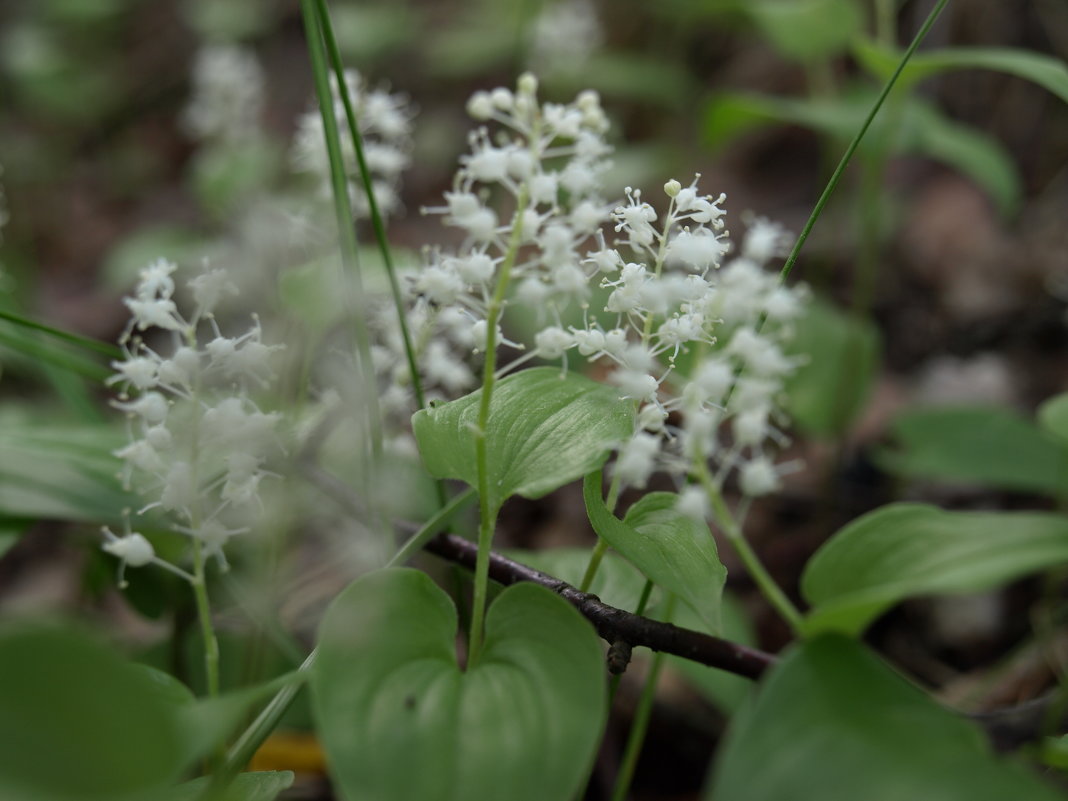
759,477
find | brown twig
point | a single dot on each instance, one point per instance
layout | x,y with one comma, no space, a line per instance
615,625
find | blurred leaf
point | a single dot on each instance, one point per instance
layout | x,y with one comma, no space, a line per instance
227,20
904,550
920,128
833,723
1053,417
807,30
367,32
988,446
617,582
208,723
545,429
258,786
136,251
78,722
725,690
227,175
46,75
674,551
401,721
1049,72
841,358
60,472
629,76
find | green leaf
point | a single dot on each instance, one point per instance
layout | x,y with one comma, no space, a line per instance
904,550
1048,72
1053,417
80,723
61,472
545,430
988,446
833,723
674,551
400,720
918,127
725,690
617,582
207,723
841,356
259,786
807,30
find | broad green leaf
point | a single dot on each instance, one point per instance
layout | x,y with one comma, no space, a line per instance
207,723
674,551
725,690
904,550
918,127
545,430
1053,417
617,582
807,30
1048,72
630,76
833,723
80,723
62,472
259,786
988,446
840,355
400,720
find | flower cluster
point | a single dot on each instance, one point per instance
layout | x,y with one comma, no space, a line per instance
692,329
197,439
228,94
384,122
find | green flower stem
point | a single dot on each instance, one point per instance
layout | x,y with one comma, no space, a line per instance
601,547
346,231
207,628
832,184
640,726
776,597
488,515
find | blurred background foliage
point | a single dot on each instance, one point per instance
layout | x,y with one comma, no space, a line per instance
941,264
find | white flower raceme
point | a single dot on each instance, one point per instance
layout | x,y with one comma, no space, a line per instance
384,122
692,328
198,442
228,91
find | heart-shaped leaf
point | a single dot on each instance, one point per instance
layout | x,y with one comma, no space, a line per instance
674,551
904,550
79,722
401,720
833,723
545,429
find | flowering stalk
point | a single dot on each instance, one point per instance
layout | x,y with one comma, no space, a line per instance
488,516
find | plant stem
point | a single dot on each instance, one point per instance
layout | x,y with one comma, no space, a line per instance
488,514
346,231
431,527
776,597
376,217
601,547
832,184
640,725
207,628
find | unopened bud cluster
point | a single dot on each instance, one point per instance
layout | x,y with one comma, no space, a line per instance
198,442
